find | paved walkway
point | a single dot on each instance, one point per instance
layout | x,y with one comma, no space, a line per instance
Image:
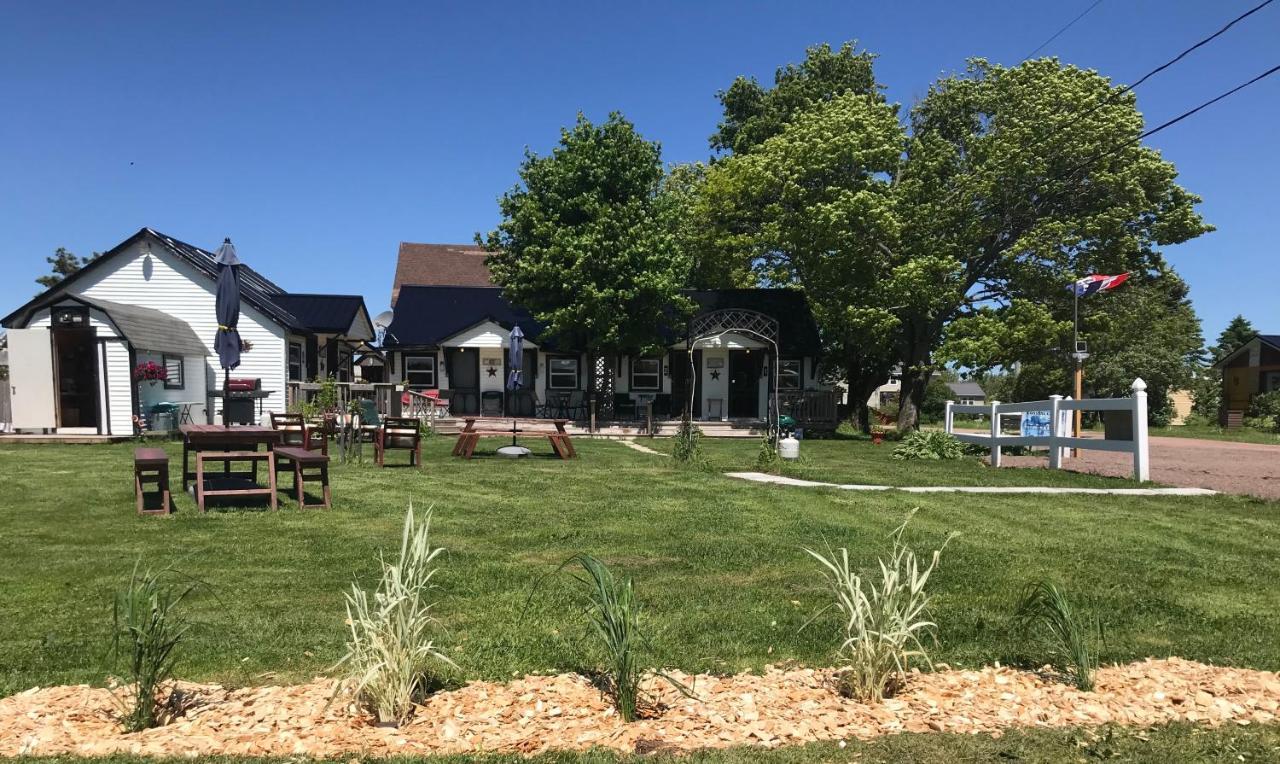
761,477
1251,469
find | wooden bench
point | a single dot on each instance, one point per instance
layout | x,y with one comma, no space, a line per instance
299,461
151,465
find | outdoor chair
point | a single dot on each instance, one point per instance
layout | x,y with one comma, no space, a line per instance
576,407
294,431
624,407
491,403
399,433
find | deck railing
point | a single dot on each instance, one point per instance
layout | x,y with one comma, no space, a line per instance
810,408
385,395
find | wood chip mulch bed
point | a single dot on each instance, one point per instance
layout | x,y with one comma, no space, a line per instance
539,713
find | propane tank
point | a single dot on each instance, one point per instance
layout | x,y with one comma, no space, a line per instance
789,448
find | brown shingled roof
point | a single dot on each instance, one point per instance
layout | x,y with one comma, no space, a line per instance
439,265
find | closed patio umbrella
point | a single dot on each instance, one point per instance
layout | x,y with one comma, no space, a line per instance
515,379
226,343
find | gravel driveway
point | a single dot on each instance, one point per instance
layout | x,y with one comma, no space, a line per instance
1251,469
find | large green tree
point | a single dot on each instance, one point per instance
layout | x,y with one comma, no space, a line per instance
63,263
818,200
1015,182
589,239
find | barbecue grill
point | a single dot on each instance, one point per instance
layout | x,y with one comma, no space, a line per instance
240,397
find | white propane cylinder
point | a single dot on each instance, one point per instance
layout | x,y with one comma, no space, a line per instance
789,448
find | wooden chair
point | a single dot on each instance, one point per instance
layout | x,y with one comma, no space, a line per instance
399,433
151,465
306,465
296,432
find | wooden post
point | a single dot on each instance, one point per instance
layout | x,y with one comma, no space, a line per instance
591,426
1055,451
648,409
995,433
1141,448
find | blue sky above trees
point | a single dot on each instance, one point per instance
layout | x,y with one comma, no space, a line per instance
319,140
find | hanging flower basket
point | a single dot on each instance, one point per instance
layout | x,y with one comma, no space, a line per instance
245,346
150,372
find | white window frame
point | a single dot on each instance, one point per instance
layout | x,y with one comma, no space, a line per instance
552,373
799,376
409,372
170,383
656,373
301,362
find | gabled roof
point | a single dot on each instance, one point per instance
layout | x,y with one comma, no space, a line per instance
1267,339
324,313
967,389
427,315
439,265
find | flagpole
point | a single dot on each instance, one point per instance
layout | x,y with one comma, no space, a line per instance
1079,375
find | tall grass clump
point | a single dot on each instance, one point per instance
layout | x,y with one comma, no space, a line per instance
147,631
929,444
614,614
686,447
1045,605
391,657
884,621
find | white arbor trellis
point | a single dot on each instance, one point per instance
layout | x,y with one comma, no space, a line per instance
748,323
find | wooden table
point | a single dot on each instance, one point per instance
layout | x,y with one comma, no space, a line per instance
477,427
214,442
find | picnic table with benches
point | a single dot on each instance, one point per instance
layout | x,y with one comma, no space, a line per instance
477,427
239,443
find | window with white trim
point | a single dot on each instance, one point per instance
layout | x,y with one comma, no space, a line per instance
646,373
791,374
420,371
173,379
562,373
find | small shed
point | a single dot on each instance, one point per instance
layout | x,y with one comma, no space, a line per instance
1249,370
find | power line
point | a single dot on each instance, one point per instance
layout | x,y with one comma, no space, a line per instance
1069,24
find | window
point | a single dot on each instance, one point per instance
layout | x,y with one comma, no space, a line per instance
791,374
173,372
562,373
74,317
344,366
295,361
646,374
420,371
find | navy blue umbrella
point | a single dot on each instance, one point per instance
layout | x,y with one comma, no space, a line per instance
226,343
515,376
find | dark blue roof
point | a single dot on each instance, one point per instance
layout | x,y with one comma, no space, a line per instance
322,313
425,316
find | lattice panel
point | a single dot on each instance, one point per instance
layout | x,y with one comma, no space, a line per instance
733,320
602,384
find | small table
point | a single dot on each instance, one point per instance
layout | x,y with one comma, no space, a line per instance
477,427
215,442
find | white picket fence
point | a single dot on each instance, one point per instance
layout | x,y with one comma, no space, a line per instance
1059,440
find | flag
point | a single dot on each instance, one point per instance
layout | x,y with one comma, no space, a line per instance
1096,283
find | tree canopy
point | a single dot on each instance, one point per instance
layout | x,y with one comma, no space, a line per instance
63,263
589,239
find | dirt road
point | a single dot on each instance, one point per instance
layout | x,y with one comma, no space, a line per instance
1251,469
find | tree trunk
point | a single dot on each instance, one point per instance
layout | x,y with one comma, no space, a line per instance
911,399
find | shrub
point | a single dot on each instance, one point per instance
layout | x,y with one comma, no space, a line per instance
390,652
929,444
884,621
1265,409
614,614
687,446
147,632
1046,605
767,458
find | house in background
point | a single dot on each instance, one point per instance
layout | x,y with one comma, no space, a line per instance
967,392
73,349
451,329
1249,370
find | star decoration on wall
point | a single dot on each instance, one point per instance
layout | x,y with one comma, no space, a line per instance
493,371
715,375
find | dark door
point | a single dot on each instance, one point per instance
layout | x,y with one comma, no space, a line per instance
680,382
744,384
76,364
463,367
521,402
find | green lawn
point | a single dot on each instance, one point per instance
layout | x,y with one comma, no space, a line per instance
717,561
1208,432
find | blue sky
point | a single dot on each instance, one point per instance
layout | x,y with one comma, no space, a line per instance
320,135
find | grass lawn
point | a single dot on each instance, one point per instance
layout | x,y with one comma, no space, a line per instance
1209,432
717,562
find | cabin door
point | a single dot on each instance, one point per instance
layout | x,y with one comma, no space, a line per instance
76,366
744,384
31,383
464,380
680,380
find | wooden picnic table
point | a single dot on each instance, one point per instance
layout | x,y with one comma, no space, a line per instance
477,427
238,443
